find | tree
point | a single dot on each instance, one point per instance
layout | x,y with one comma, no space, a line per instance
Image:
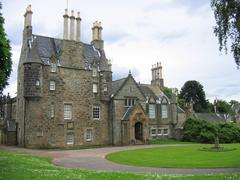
227,15
167,91
5,55
223,106
192,92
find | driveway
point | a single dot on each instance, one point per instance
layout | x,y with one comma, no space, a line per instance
94,159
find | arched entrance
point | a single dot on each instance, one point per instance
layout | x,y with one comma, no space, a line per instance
139,131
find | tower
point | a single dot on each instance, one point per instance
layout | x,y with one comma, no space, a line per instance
157,79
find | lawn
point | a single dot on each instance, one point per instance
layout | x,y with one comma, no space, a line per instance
21,166
169,141
180,157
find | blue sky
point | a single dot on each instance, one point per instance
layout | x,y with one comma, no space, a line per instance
137,34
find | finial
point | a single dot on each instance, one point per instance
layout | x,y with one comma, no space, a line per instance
29,8
66,11
72,13
78,14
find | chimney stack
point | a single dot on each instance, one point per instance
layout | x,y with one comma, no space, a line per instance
28,17
65,25
78,27
72,18
97,35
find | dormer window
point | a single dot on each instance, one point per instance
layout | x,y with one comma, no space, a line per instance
164,108
151,111
94,72
53,67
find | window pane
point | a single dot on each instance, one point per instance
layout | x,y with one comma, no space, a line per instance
96,112
94,88
151,110
165,131
154,132
164,111
159,131
52,85
67,111
89,135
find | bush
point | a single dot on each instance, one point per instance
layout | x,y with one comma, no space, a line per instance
198,130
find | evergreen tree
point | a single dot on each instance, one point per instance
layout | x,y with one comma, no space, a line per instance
5,55
192,92
227,15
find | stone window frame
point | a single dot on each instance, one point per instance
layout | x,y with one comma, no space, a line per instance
52,85
96,112
89,137
53,67
67,111
70,138
152,112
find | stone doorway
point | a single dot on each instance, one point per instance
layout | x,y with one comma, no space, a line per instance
139,131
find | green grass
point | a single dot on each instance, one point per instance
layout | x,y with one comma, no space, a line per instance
14,166
168,141
179,157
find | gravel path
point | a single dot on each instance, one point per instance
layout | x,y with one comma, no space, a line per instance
94,159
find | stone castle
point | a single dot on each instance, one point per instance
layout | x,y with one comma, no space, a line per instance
66,96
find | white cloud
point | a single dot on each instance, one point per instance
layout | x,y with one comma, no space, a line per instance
137,34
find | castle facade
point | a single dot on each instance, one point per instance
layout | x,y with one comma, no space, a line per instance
66,96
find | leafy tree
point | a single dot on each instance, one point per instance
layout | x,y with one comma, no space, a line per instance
227,15
223,106
5,55
167,91
192,92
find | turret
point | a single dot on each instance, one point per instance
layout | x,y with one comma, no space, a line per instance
157,78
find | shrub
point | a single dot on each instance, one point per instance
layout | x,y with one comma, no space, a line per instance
198,130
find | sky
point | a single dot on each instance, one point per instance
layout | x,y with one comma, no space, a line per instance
138,34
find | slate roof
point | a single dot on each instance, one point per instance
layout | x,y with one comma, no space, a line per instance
43,48
128,113
211,117
117,84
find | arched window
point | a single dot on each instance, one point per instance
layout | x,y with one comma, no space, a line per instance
164,108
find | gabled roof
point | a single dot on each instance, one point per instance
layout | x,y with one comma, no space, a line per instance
121,82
